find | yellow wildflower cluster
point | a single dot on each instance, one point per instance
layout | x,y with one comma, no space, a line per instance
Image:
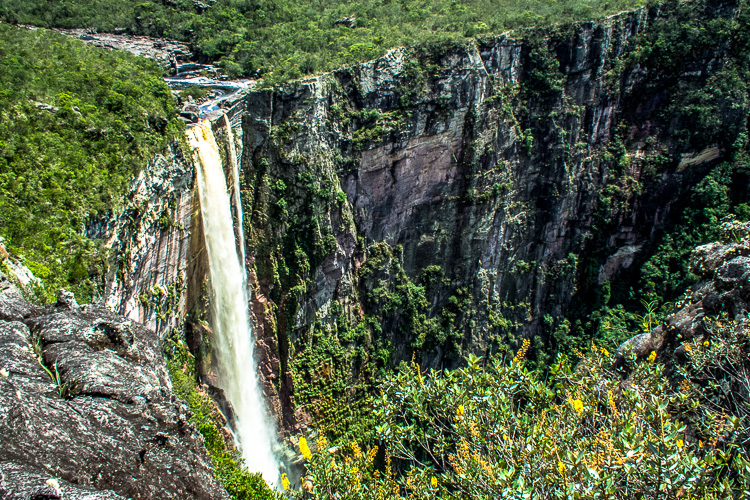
469,458
304,449
355,475
578,405
356,450
612,404
652,357
718,429
322,441
285,483
522,351
686,386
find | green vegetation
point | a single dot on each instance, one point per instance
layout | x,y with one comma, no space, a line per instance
706,110
502,431
228,464
76,124
286,39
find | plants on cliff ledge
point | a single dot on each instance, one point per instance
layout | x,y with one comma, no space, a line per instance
501,431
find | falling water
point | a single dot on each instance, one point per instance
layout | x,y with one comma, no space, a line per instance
236,181
233,340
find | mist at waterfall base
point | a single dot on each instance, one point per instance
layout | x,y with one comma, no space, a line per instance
233,342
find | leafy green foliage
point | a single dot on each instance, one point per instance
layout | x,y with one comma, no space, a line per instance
284,39
705,111
228,465
501,431
76,124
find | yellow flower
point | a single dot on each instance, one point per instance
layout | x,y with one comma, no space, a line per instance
285,482
433,482
522,351
680,443
304,449
561,467
307,484
578,405
460,411
355,475
356,449
605,352
652,357
706,343
700,443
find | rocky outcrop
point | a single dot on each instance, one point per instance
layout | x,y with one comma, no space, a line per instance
724,289
88,410
166,53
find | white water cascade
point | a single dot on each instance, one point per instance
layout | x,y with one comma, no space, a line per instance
233,340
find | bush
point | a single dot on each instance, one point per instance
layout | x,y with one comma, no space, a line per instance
501,431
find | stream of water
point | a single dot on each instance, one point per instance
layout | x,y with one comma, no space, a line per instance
233,343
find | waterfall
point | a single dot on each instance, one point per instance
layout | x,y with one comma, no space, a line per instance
233,340
236,181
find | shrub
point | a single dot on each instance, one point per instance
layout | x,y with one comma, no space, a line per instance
501,431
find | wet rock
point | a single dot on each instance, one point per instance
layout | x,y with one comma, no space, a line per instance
86,401
191,112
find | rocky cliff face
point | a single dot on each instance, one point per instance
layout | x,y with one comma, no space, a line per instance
88,410
441,200
156,275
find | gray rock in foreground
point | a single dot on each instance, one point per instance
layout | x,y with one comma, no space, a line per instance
107,426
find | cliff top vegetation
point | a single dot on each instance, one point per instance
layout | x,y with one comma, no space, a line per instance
284,39
76,124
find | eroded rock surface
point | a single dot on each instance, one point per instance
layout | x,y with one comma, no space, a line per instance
86,405
724,289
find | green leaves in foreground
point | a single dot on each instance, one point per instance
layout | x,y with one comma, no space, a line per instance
501,431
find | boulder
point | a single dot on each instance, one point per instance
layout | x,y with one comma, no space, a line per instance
88,410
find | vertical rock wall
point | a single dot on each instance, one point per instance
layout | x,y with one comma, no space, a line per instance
485,172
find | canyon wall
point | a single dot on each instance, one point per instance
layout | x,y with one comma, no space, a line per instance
451,198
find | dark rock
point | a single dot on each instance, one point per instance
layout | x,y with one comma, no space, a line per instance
191,111
734,274
95,410
66,300
726,273
348,22
19,482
